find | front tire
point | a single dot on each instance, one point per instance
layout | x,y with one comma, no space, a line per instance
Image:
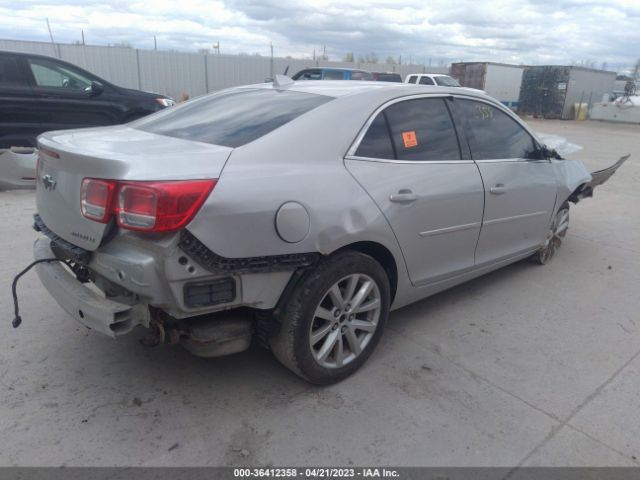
555,236
333,318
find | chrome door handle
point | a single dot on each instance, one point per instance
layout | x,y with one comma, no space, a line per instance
403,196
498,189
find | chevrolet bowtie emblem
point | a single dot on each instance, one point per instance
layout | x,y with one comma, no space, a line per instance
48,182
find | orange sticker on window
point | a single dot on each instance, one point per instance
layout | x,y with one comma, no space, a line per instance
409,139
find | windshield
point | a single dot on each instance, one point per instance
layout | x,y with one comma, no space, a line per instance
231,118
445,81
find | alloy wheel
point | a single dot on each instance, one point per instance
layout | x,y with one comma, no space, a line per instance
555,235
345,320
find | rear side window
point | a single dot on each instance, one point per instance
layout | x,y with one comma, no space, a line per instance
422,129
412,79
10,75
377,143
388,77
333,75
492,134
233,118
361,76
426,81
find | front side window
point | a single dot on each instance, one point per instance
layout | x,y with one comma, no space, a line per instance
10,75
492,134
50,74
412,79
231,118
426,81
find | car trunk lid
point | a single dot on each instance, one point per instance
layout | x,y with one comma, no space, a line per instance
114,153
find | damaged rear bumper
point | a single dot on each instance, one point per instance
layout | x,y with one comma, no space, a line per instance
92,310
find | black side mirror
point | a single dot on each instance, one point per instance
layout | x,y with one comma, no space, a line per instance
547,152
542,152
95,89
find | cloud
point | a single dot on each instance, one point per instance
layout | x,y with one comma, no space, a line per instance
518,31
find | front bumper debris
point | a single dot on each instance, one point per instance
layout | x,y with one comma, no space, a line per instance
597,178
92,310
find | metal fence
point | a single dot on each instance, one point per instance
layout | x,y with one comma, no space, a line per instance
171,73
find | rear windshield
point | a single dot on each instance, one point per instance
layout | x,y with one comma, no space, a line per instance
233,118
447,82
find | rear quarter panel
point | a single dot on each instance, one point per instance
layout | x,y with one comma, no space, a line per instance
303,162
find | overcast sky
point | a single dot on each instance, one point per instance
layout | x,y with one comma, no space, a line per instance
516,31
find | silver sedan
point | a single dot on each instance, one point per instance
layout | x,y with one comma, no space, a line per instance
298,213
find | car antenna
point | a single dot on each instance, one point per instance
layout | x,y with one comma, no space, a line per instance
286,70
282,81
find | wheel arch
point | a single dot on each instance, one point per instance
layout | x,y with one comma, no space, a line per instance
382,255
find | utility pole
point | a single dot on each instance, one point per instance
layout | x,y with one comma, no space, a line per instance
49,28
271,62
55,49
155,43
82,31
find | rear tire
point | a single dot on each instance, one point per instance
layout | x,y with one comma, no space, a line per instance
333,318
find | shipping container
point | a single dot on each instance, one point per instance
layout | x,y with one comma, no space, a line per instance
552,91
499,80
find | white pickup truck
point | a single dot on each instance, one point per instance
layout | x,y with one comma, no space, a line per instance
437,79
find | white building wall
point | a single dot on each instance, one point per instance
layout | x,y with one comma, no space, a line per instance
171,73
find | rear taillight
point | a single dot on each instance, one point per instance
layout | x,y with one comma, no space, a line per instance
96,198
160,206
145,206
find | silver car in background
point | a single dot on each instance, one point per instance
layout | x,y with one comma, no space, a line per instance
299,213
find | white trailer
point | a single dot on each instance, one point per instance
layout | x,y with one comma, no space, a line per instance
499,80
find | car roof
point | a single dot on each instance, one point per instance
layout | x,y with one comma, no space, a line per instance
429,74
342,69
376,90
29,54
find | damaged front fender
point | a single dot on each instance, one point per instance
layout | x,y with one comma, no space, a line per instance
585,190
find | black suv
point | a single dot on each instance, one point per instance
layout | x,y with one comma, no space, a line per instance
40,93
386,77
